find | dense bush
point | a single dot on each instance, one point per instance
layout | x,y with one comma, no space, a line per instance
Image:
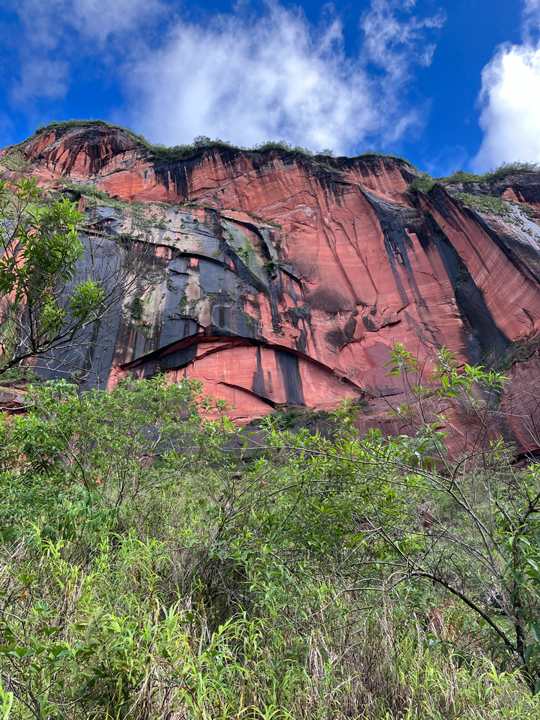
150,569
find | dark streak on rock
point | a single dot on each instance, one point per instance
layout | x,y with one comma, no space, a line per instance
292,381
469,298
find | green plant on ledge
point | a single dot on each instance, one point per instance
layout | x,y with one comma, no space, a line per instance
485,204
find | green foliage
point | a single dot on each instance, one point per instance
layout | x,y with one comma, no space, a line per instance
149,570
286,419
15,162
49,245
507,169
485,204
425,182
86,301
137,309
379,154
520,351
20,375
40,251
271,268
291,417
6,703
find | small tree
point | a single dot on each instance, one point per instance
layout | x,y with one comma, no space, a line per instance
42,306
429,510
477,528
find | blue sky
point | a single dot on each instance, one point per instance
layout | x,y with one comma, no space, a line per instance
449,84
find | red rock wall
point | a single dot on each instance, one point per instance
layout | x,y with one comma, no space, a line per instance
298,277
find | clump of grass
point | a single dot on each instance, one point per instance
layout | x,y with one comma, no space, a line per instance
380,154
15,162
520,352
485,204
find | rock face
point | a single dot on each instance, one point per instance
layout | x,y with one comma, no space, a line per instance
278,279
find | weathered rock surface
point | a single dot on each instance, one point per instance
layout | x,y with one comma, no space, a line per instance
278,280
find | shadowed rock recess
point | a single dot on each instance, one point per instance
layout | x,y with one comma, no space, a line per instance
278,279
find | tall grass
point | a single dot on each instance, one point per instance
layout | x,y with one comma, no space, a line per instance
146,571
107,634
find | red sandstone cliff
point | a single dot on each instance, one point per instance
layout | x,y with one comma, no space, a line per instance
279,280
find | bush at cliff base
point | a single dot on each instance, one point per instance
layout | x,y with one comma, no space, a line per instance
151,568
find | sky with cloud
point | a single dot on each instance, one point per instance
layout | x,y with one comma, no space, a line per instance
447,83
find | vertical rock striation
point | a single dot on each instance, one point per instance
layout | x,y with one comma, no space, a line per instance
279,279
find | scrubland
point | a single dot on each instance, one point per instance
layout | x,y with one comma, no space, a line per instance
151,566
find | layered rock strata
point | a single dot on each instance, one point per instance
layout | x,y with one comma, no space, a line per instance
278,279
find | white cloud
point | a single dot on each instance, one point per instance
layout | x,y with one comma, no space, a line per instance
47,22
531,16
396,44
101,18
68,28
510,98
41,78
249,79
241,76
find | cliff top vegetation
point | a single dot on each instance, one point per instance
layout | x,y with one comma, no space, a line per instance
162,154
425,181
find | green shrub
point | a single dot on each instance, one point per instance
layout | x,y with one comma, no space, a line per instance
20,374
14,161
148,570
425,182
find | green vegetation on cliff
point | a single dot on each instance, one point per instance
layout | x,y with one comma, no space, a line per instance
425,181
151,568
44,304
486,204
163,155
